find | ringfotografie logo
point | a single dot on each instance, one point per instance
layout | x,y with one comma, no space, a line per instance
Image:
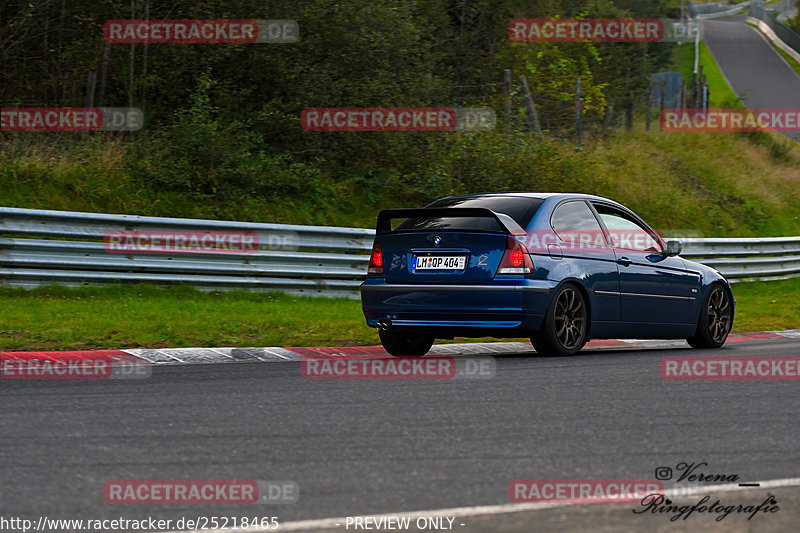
689,481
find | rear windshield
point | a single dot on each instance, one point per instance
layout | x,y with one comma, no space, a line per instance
519,208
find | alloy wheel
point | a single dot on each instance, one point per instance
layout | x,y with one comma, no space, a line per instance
719,314
570,318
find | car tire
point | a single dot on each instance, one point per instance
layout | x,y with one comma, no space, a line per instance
715,320
405,345
566,323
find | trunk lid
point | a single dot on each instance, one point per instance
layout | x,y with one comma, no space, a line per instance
405,254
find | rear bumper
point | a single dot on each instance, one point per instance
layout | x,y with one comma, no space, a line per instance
505,308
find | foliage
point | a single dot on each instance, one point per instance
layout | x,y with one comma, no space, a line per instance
794,23
223,137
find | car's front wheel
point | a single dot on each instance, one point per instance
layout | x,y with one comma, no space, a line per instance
714,322
404,344
564,328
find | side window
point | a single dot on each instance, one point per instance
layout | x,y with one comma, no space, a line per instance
575,224
625,232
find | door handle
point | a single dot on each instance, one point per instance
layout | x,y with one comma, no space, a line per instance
624,261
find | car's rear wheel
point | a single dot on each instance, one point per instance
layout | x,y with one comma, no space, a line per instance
404,344
564,328
714,322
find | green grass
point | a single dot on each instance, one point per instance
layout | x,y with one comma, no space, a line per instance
128,316
767,305
94,173
720,93
744,185
138,316
683,60
789,59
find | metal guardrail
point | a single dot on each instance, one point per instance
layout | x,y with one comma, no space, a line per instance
43,247
714,10
784,33
39,247
708,7
740,259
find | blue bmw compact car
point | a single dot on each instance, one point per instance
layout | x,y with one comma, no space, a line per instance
558,268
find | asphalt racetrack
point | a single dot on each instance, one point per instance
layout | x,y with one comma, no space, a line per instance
758,75
360,447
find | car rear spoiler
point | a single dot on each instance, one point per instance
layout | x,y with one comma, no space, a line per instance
506,222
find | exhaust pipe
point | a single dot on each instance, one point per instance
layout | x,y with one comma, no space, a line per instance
383,325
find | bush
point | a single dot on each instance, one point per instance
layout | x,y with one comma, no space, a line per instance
794,23
208,158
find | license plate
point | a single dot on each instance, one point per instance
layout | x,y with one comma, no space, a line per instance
439,262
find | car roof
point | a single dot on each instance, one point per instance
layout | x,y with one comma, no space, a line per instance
537,195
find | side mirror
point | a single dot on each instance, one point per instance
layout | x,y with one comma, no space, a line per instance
673,248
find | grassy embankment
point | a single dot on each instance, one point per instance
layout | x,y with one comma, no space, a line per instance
57,318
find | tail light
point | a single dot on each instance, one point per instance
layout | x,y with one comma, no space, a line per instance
376,259
516,259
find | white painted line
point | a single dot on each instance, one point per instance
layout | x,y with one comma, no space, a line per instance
488,346
223,354
509,347
522,346
483,510
276,352
467,348
789,333
480,348
144,353
195,355
657,342
219,355
165,354
443,349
